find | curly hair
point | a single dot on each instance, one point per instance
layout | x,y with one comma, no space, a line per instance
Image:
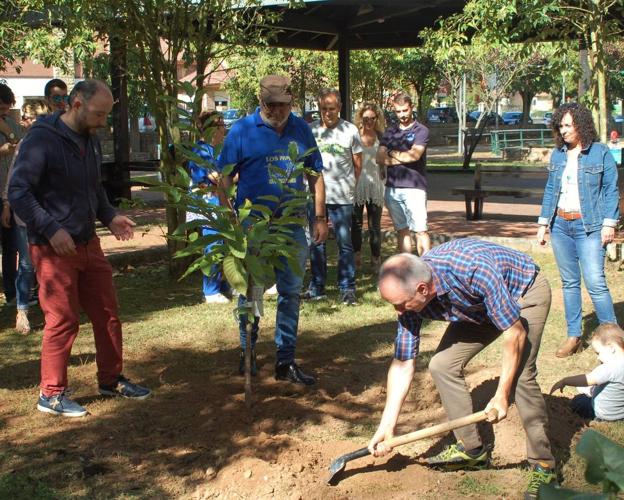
582,120
380,123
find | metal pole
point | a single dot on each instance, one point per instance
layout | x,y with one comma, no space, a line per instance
344,78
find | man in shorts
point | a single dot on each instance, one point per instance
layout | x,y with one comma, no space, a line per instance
403,152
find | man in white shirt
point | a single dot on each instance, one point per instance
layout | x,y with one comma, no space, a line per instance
339,144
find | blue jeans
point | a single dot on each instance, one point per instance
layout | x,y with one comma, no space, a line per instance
580,253
581,404
289,285
341,219
214,283
25,270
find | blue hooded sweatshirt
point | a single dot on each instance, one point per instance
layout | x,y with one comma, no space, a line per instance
56,185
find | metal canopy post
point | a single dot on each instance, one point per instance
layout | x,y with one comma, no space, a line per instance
119,176
344,81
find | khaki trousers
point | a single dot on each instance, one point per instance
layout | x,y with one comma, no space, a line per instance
463,340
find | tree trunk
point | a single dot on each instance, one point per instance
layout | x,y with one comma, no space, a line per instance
475,138
585,77
527,97
600,80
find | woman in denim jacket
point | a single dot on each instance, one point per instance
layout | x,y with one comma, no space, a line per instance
580,207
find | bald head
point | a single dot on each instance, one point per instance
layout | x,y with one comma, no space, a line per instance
86,89
406,282
90,103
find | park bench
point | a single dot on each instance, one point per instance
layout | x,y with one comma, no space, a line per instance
114,185
482,187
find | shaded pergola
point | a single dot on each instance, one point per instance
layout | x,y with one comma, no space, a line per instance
340,25
345,25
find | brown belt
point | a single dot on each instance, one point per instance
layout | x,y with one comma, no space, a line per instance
568,215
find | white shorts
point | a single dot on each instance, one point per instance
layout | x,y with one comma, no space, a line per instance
408,208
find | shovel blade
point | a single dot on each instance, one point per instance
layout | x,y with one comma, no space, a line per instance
339,463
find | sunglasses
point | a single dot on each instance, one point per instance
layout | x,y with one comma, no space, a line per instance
369,118
58,99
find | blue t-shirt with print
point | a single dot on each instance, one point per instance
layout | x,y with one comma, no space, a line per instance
252,145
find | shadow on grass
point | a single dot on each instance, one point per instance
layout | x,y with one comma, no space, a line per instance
23,375
563,425
197,418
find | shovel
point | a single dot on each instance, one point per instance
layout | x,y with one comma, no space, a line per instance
339,463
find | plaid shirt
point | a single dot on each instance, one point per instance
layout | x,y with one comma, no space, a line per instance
475,281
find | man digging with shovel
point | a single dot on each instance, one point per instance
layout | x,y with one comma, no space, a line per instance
484,290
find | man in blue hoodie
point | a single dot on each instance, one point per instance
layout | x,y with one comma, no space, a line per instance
57,191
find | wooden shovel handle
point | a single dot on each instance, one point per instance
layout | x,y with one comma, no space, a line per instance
437,429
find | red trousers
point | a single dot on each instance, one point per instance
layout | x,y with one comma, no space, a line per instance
66,284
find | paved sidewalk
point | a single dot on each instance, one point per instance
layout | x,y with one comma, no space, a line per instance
502,222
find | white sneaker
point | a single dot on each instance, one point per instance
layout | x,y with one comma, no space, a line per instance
217,298
271,291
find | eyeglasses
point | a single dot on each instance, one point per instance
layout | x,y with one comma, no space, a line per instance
58,99
369,118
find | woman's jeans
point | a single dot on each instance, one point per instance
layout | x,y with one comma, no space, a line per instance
25,270
373,215
580,253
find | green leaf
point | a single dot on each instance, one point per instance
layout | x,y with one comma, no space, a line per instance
235,274
244,211
193,236
293,151
602,455
269,197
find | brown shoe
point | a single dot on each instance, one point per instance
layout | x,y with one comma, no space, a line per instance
568,347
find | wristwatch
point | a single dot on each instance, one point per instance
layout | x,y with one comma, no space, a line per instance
12,136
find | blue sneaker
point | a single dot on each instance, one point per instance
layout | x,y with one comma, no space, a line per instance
125,389
60,404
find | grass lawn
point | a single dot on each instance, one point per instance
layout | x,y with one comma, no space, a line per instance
195,439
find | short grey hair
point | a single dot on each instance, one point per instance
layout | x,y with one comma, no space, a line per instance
407,269
87,89
329,91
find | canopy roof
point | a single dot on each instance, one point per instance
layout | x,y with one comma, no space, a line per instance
362,25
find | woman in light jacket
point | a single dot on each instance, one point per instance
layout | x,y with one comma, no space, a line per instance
580,208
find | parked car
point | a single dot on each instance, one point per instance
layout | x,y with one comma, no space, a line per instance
514,118
473,116
548,118
231,115
442,115
391,117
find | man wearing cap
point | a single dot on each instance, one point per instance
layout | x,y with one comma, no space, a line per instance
341,149
254,143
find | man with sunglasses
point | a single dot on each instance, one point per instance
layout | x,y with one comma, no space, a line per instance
57,191
485,291
55,93
254,144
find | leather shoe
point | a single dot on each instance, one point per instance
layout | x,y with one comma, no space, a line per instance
292,373
254,364
569,346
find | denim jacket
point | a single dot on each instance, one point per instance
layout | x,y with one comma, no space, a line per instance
598,187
